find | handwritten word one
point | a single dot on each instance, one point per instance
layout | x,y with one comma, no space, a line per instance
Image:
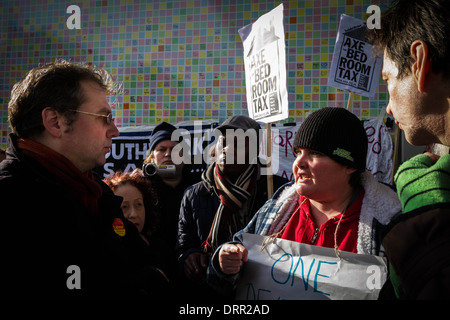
293,270
310,273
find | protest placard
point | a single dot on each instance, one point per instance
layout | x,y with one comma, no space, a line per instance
265,74
265,67
354,67
287,270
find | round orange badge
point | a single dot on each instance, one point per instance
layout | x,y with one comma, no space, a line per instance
119,227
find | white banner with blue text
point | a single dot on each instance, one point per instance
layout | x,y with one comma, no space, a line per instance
287,270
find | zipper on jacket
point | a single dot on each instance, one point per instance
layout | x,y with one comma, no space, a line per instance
315,236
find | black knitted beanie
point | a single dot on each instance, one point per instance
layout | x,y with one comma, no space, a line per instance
337,133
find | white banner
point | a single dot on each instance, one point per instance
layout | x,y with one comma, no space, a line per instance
354,67
287,270
265,67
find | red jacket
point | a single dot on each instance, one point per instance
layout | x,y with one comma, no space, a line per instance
303,229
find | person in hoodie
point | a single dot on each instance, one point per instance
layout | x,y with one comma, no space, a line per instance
333,202
231,191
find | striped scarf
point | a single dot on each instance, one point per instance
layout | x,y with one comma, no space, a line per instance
232,198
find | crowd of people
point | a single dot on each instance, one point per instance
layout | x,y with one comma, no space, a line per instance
73,234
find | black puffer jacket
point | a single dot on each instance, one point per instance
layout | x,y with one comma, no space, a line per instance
418,247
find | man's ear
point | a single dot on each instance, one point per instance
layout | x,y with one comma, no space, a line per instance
52,120
421,67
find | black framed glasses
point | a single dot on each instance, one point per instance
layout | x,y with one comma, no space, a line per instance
108,118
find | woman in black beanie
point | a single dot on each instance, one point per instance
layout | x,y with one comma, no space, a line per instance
333,202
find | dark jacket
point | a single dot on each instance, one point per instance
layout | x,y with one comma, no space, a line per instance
417,242
418,247
198,207
168,206
49,233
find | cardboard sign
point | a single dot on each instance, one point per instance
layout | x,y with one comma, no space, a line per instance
287,270
265,67
354,68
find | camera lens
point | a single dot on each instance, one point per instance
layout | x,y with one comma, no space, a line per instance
149,169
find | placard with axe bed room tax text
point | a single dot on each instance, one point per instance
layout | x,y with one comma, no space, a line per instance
265,67
355,66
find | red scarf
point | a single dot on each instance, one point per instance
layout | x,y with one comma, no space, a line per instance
82,185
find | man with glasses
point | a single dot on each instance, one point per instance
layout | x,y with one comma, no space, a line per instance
66,236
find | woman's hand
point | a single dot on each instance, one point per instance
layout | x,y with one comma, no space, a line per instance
232,257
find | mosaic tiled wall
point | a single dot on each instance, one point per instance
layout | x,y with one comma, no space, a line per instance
178,60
